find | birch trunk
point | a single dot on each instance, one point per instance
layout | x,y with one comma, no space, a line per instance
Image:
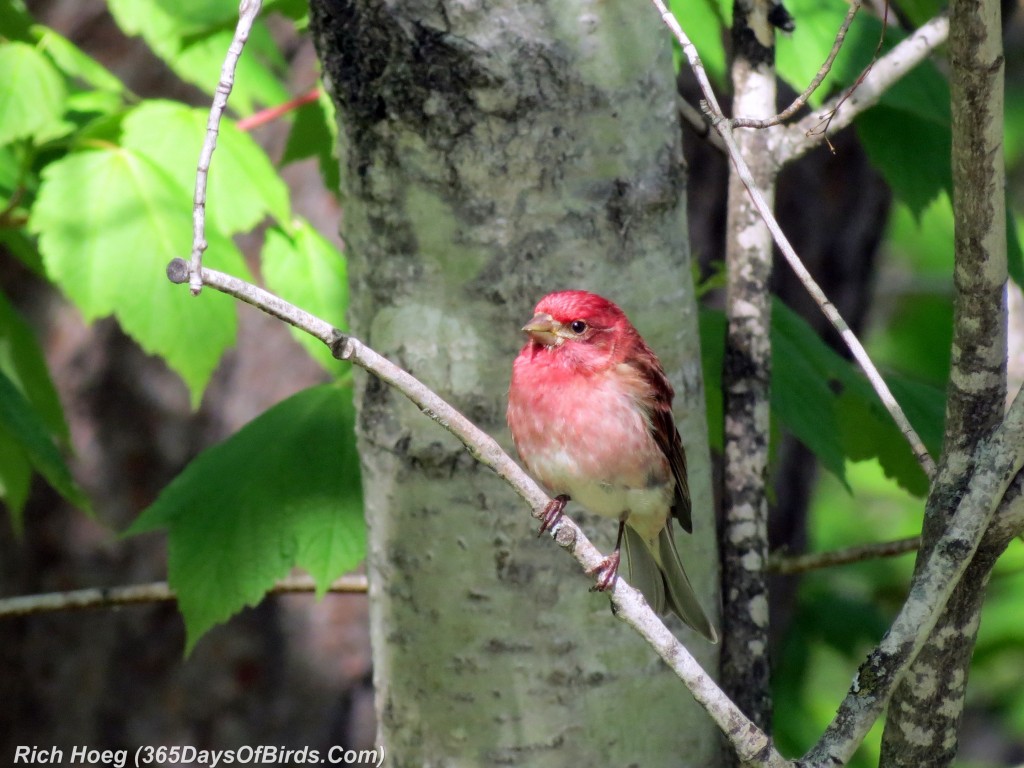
491,153
746,377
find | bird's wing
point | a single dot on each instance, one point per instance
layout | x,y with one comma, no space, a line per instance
667,437
663,428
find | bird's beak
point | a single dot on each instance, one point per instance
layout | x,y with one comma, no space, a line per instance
543,329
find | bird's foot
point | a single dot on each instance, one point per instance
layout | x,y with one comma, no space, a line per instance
606,571
552,513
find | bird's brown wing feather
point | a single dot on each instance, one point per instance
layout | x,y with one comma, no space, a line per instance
666,435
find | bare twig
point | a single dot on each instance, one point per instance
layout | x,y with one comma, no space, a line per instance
826,306
822,128
801,100
157,592
630,606
699,123
779,562
801,137
248,10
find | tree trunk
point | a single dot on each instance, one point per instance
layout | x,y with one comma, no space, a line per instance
746,374
489,158
925,712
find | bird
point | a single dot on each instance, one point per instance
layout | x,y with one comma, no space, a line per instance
590,412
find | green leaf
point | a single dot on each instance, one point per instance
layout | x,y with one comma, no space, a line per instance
704,25
258,78
199,61
868,432
75,63
108,222
31,94
911,152
22,361
15,22
314,134
800,54
282,492
15,479
28,431
11,171
18,243
804,370
243,185
712,349
196,17
308,271
827,403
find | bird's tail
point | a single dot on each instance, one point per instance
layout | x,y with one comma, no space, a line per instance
655,569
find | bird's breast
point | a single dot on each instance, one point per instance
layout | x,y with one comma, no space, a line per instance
588,436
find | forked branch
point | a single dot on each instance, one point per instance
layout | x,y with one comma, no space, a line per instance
827,308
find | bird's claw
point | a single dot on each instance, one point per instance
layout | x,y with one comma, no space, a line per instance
608,570
552,513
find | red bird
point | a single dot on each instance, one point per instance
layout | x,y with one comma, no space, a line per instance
590,410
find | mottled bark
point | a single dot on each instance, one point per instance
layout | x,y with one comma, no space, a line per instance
745,380
925,713
493,152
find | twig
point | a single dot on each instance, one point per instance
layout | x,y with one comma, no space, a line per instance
270,114
822,128
801,100
629,605
699,124
997,460
824,304
157,592
779,562
248,10
801,137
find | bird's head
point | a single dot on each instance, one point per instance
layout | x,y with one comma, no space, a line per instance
581,327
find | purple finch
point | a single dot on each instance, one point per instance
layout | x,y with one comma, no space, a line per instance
590,410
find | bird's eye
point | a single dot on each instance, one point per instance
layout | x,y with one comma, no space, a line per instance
578,326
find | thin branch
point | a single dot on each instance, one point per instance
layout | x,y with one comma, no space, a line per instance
270,114
699,124
629,605
803,136
824,304
826,122
157,592
779,562
248,10
801,100
997,461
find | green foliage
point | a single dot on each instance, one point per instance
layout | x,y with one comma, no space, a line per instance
704,23
96,193
314,134
243,186
282,492
26,440
304,268
194,47
109,220
827,403
32,95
